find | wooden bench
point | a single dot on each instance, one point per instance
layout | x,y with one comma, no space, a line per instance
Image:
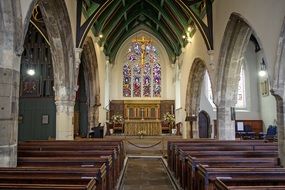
248,183
57,183
189,176
83,144
74,162
180,152
207,176
173,146
75,154
67,177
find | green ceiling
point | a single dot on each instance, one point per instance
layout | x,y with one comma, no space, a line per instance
167,20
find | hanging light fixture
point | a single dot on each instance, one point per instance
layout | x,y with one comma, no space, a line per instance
262,71
30,69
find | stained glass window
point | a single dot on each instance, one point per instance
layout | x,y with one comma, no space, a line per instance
142,71
157,80
127,80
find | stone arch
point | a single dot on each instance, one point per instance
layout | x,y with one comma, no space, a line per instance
278,91
92,78
59,31
235,41
10,36
56,18
193,93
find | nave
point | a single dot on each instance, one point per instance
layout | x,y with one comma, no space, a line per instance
94,164
145,173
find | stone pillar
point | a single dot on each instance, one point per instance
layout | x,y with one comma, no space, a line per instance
9,101
107,84
177,85
195,130
280,126
91,117
226,127
186,130
64,120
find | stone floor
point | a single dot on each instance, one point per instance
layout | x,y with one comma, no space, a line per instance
146,174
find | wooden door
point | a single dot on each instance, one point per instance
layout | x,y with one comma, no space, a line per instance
204,124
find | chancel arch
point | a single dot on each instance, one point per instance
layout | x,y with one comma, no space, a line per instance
165,68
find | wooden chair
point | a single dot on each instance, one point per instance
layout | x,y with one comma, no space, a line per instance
118,127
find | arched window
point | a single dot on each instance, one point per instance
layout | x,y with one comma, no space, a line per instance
241,101
142,71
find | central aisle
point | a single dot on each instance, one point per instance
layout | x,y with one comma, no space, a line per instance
145,174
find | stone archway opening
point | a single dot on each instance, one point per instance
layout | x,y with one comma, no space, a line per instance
90,68
193,95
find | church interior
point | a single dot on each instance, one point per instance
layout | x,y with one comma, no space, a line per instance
142,94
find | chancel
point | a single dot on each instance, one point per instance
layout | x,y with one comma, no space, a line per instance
142,94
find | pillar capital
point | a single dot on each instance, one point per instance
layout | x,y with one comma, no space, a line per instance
65,106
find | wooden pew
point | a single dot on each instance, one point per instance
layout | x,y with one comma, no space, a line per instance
220,162
206,176
57,183
86,153
225,154
174,146
54,175
180,151
248,183
83,144
74,162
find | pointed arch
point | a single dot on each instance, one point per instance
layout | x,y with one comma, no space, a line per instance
91,71
193,93
278,91
234,44
59,31
195,80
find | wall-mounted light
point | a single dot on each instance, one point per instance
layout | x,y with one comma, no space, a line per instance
262,71
188,33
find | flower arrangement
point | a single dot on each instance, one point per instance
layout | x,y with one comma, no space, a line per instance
142,133
117,118
169,118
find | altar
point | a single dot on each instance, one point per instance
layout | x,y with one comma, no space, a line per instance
148,127
142,116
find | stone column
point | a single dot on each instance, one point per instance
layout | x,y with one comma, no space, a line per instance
64,120
107,84
226,129
9,101
195,130
280,127
186,130
91,117
65,101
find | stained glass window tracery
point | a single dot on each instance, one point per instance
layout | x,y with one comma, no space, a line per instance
142,70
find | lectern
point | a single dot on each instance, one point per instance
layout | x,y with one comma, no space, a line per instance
191,119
